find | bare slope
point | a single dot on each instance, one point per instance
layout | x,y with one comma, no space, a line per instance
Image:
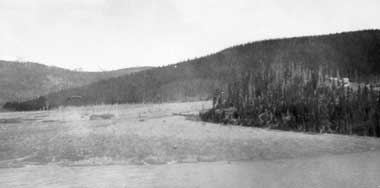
23,81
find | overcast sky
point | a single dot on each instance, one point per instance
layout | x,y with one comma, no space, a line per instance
112,34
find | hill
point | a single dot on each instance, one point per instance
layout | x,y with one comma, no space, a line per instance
25,81
352,53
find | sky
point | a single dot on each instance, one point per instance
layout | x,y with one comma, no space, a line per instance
98,35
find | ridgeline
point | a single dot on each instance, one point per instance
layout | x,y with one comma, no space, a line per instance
353,54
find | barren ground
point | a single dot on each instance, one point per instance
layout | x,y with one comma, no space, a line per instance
164,145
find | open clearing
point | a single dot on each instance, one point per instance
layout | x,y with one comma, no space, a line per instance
164,145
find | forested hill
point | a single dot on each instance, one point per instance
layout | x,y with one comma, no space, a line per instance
25,81
353,53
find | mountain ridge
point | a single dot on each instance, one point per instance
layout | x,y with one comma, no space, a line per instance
355,53
27,80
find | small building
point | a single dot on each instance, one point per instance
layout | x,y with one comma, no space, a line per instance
73,100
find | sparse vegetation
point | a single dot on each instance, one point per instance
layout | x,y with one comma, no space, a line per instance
25,81
67,136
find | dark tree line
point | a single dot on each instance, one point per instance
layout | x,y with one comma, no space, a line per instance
294,97
37,104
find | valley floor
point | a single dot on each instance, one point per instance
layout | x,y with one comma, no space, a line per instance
337,171
165,145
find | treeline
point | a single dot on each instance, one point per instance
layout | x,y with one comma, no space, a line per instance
295,97
354,53
33,105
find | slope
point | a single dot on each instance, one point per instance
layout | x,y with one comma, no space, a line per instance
352,53
24,81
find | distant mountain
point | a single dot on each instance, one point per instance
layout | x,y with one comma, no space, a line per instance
25,81
352,53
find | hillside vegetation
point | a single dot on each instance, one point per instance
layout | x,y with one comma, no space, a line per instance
25,81
352,53
296,98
